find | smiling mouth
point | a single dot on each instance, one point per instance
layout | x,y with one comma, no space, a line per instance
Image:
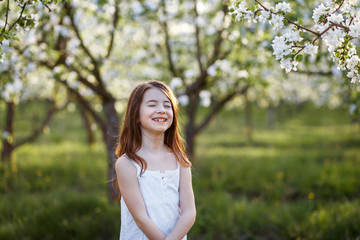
159,119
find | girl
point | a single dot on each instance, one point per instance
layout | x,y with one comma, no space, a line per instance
153,173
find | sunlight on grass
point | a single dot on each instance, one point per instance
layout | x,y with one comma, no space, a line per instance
296,181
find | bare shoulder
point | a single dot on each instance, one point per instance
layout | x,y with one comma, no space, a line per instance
123,165
185,171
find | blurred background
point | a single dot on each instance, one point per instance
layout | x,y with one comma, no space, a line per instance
275,155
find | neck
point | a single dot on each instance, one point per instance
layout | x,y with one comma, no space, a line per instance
152,142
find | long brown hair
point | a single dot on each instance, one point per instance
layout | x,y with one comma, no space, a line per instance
130,134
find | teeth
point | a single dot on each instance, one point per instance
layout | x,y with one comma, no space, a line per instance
160,120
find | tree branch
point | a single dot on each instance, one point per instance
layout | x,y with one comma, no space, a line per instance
218,106
50,113
84,103
197,36
287,19
112,31
338,7
96,70
201,80
84,80
169,51
218,42
6,17
21,13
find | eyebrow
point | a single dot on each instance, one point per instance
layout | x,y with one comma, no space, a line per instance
155,101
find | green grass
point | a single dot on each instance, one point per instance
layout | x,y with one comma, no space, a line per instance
299,180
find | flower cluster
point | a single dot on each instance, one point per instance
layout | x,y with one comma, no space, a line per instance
336,22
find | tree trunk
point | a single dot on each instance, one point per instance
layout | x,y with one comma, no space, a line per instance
270,117
248,119
190,142
110,138
87,125
190,131
8,134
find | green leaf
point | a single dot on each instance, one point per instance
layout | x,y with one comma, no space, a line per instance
238,3
30,23
291,56
300,21
299,58
286,23
252,7
21,22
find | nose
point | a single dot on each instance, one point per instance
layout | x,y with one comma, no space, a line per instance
161,109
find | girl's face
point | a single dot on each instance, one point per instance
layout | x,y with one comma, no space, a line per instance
156,113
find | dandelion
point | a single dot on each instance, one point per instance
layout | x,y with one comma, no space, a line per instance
280,175
47,179
14,168
39,173
311,195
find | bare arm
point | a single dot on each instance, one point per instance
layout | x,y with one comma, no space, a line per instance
187,207
129,188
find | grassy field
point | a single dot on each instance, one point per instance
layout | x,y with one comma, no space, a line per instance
300,180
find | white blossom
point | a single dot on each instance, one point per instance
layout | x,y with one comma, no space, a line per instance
152,4
280,47
225,66
288,64
292,36
137,8
340,42
2,57
212,70
355,28
319,11
352,109
284,7
6,135
205,98
336,18
242,74
277,21
264,16
310,49
175,83
183,100
352,62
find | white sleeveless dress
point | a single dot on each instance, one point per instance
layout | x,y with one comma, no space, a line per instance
160,192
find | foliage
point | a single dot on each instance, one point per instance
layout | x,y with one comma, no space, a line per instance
296,181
